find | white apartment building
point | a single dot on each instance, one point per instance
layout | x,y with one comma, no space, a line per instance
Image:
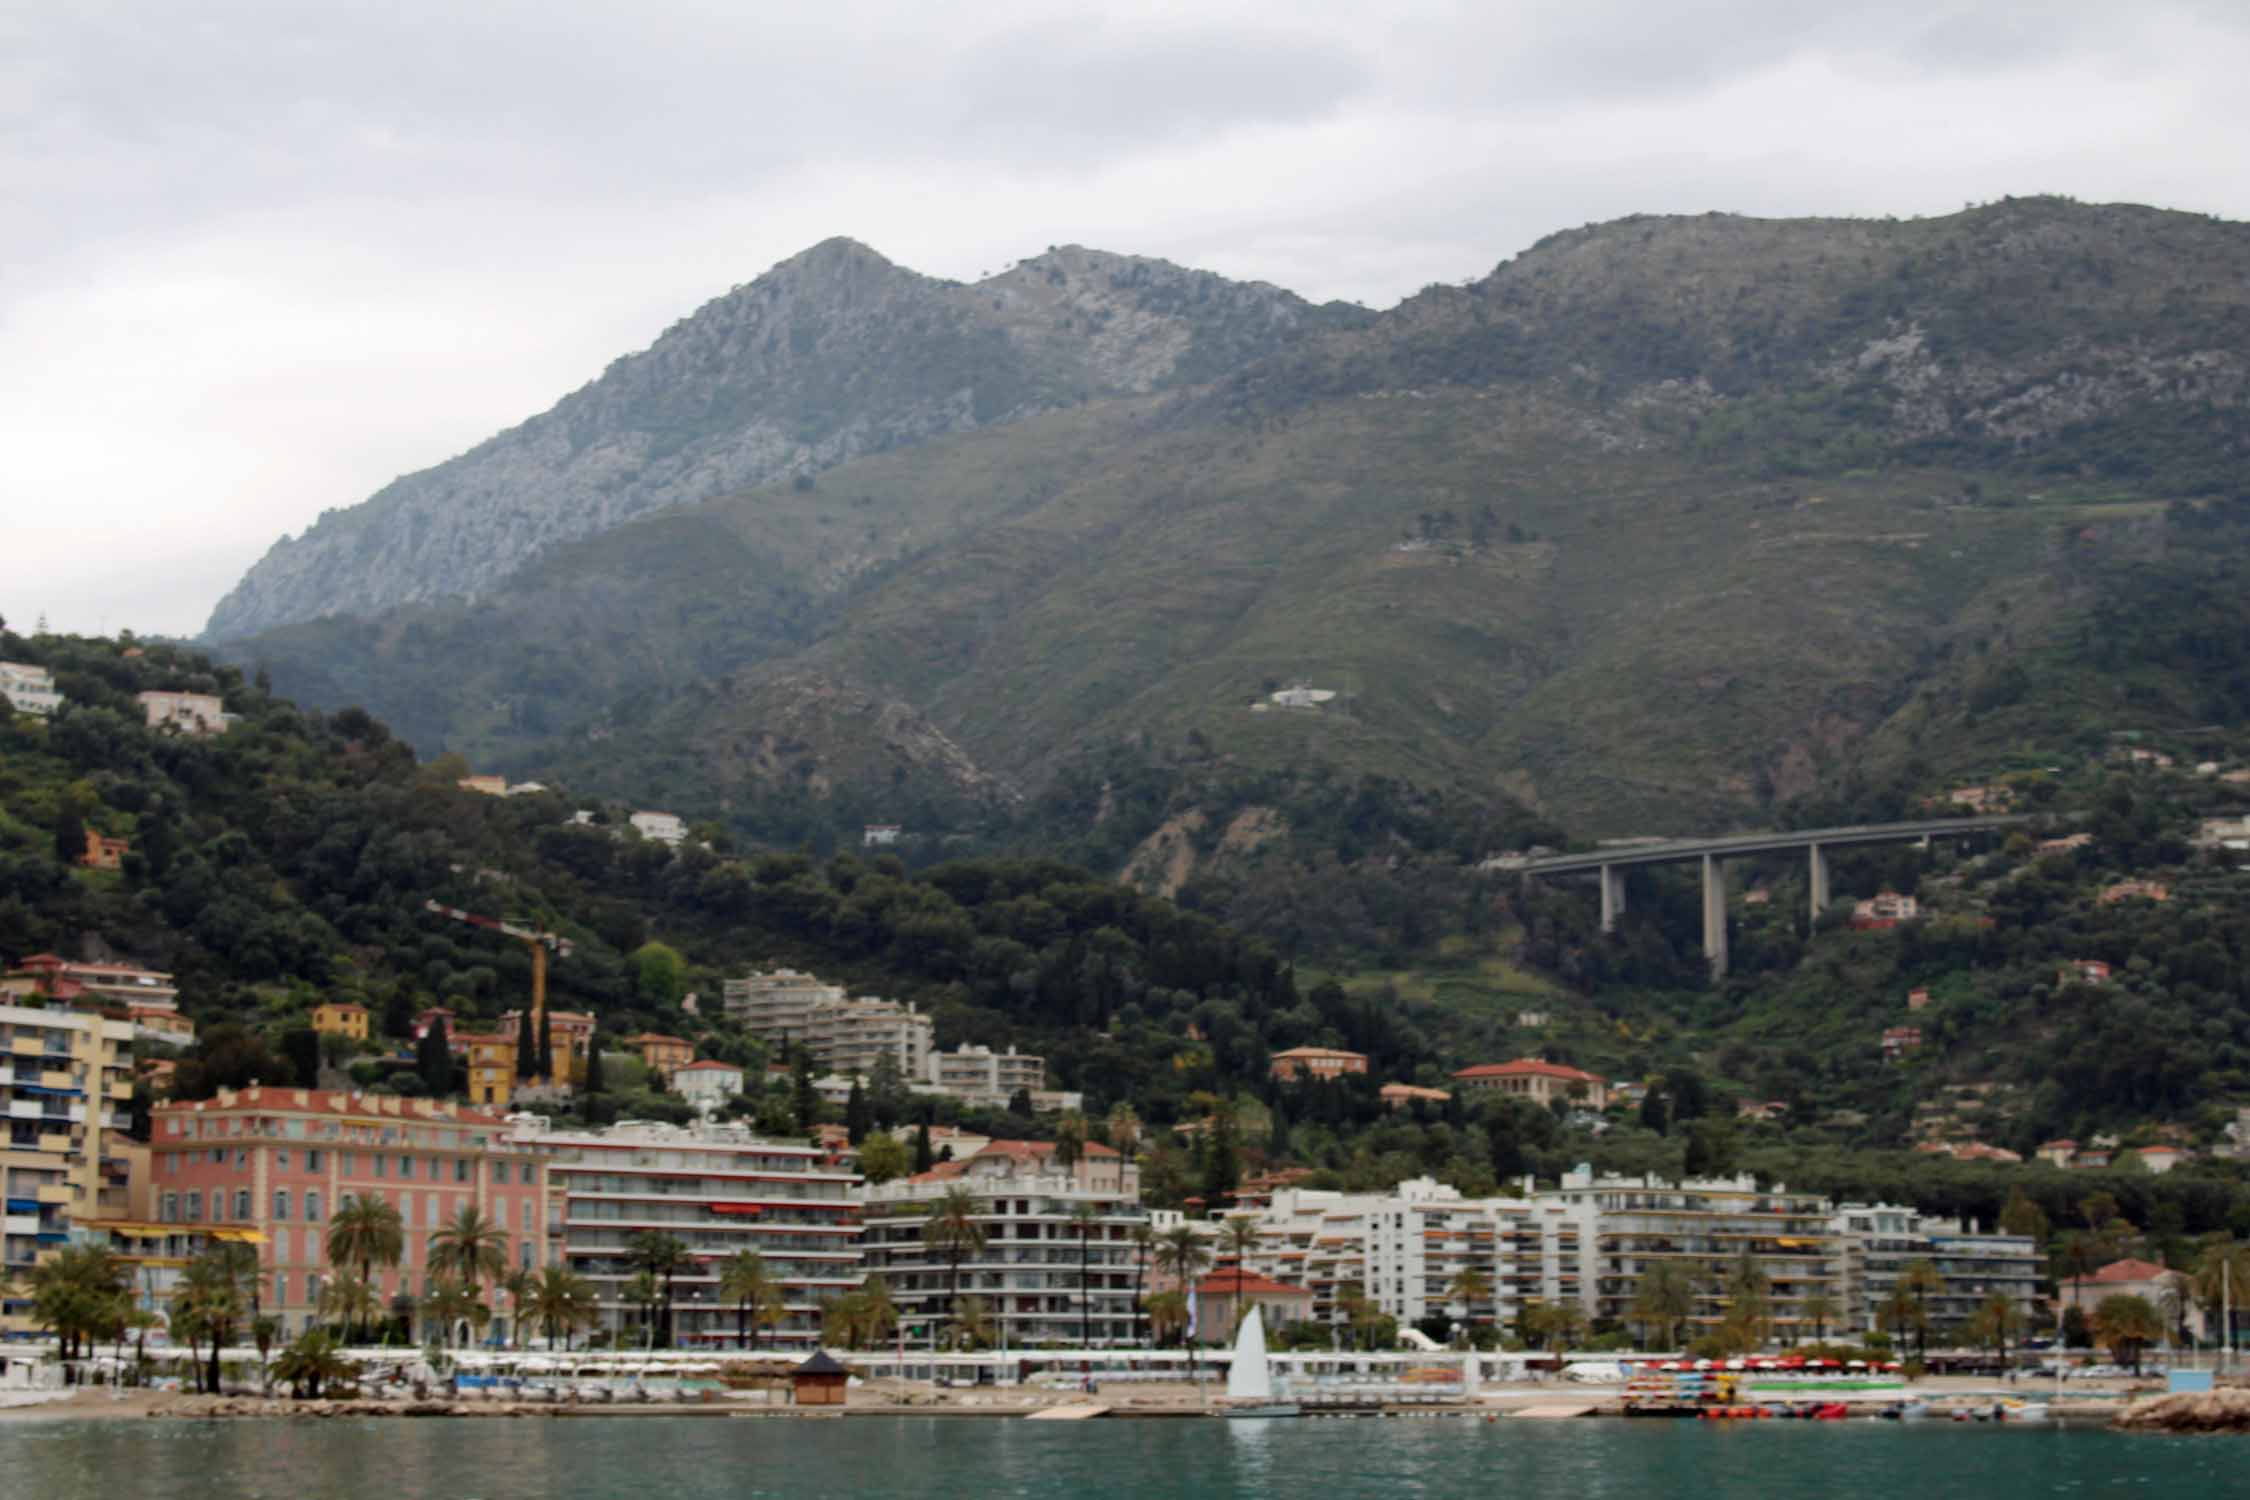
664,827
190,713
979,1075
845,1036
29,689
708,1084
775,1004
1881,1240
721,1190
1039,1282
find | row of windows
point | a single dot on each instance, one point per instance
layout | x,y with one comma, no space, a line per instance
316,1160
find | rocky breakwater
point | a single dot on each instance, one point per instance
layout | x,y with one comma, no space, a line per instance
2224,1410
205,1408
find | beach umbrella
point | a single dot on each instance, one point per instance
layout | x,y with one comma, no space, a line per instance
1736,1364
1858,1364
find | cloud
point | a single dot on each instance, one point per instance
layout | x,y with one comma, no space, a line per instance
264,256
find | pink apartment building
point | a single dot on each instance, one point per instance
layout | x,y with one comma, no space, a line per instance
278,1162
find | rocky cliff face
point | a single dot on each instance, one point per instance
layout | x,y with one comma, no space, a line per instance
832,354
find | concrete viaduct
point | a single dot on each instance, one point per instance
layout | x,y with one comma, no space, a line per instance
1611,863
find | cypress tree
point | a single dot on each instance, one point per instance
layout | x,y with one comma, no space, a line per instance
594,1066
527,1046
924,1158
433,1059
858,1118
547,1052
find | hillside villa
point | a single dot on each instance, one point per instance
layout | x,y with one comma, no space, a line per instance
1537,1080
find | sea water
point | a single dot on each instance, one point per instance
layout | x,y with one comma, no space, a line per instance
655,1458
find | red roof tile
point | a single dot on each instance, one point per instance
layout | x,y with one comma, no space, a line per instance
1530,1067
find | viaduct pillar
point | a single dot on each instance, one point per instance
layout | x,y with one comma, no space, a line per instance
1715,915
1613,896
1818,873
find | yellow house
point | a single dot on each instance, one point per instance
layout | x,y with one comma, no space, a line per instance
492,1065
664,1055
341,1018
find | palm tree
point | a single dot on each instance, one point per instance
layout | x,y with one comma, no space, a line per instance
1238,1237
2220,1280
471,1247
265,1331
518,1285
1167,1313
1124,1129
1997,1321
972,1323
563,1301
1468,1287
366,1232
745,1281
662,1256
952,1230
646,1293
1918,1280
2124,1325
219,1287
311,1362
1818,1309
1143,1236
71,1292
879,1312
1085,1218
450,1303
1665,1297
349,1300
1182,1255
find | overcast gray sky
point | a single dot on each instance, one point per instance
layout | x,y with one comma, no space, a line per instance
258,257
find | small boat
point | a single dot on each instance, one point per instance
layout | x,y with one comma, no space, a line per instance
1250,1390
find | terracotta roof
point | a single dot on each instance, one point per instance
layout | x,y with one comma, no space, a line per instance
1321,1052
1232,1281
2131,1270
710,1065
1530,1067
652,1038
1028,1150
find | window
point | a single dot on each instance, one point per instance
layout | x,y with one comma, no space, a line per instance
530,1175
523,1253
460,1169
281,1288
527,1215
281,1158
242,1203
382,1163
351,1163
312,1288
406,1168
312,1160
281,1243
281,1204
171,1213
430,1208
241,1158
312,1207
195,1208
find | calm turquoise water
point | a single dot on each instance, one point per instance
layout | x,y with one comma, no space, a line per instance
654,1459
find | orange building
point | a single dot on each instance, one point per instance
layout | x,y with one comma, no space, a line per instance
341,1018
1536,1080
664,1055
1317,1062
1405,1095
104,853
570,1038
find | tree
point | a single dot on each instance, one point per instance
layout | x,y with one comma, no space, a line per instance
1070,1138
301,1046
1238,1237
563,1301
2220,1281
662,1256
1181,1255
1819,1309
803,1096
470,1246
1653,1114
645,1292
70,1292
349,1300
1996,1322
972,1324
887,1093
527,1047
951,1228
858,1117
1168,1315
217,1290
2125,1325
433,1060
313,1361
1019,1104
365,1232
1085,1219
882,1158
745,1281
594,1083
659,975
1123,1128
1918,1280
519,1285
924,1157
1469,1287
2020,1215
1664,1298
1143,1236
449,1302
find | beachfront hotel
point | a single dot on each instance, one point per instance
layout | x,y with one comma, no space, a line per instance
1029,1270
719,1189
272,1165
65,1079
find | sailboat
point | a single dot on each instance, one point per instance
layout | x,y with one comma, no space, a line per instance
1250,1391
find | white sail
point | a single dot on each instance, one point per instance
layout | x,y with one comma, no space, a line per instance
1248,1378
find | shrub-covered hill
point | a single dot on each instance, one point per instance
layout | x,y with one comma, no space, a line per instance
287,861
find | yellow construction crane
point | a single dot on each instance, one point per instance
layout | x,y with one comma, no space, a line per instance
540,942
